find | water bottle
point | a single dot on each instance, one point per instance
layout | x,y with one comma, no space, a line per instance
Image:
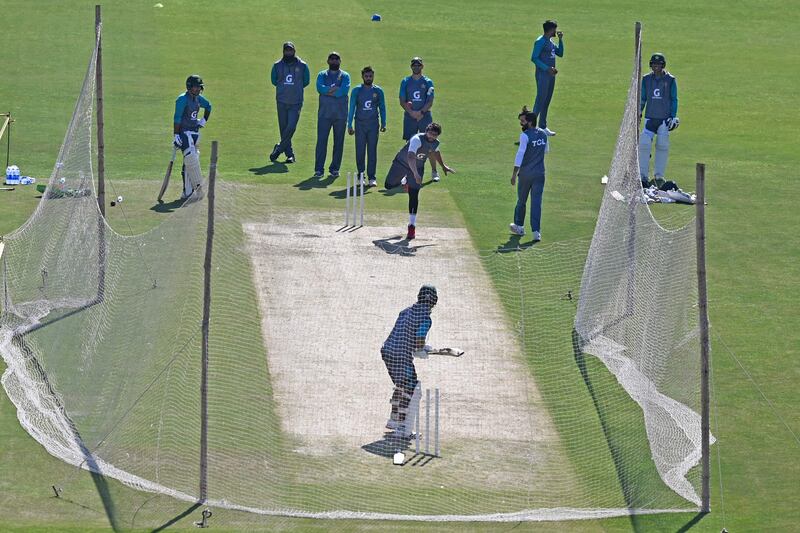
12,175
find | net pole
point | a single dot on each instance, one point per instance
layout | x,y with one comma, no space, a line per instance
638,56
101,159
705,347
212,176
101,146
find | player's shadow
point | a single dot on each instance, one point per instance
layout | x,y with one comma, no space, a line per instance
167,207
342,194
272,168
514,244
315,183
390,444
398,245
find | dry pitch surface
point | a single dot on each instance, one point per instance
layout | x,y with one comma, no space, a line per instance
328,299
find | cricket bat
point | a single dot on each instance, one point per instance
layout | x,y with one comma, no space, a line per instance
167,175
452,352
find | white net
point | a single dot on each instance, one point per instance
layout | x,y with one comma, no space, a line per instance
102,337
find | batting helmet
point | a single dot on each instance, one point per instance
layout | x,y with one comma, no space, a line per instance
427,294
194,81
658,58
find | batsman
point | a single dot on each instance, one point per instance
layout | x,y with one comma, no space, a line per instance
406,341
186,128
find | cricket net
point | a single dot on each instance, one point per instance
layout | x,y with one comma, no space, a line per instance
577,397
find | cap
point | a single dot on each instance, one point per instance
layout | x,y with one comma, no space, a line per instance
658,58
288,44
334,54
416,60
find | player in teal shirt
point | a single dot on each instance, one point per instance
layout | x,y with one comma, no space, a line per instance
186,124
367,104
544,57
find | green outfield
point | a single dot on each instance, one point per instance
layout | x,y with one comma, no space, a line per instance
733,66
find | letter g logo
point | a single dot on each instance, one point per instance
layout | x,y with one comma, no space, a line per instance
657,93
416,95
368,105
289,78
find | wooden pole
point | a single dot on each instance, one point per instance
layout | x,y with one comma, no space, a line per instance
101,145
705,433
212,175
638,54
101,160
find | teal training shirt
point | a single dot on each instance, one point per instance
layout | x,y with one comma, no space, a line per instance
545,52
366,105
186,109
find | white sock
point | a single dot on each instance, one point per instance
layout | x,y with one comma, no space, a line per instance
412,219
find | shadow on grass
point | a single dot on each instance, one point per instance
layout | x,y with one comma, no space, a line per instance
625,473
167,207
100,483
513,244
342,194
315,183
177,518
691,523
272,168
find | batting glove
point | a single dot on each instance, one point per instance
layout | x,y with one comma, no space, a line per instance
421,354
672,123
178,141
201,123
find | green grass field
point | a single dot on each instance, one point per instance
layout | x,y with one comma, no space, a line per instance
733,68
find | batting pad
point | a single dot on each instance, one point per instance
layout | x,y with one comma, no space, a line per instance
193,173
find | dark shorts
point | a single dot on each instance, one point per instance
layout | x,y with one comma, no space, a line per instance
401,370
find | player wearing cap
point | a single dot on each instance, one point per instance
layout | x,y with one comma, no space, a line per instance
289,76
544,57
333,86
367,105
186,128
416,99
660,105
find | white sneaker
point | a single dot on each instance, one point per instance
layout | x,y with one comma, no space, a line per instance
516,230
435,176
373,183
537,236
549,132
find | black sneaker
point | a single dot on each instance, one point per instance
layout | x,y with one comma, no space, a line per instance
275,153
290,159
334,173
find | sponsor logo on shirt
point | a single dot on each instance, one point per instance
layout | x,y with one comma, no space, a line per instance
657,92
289,80
368,105
416,95
538,142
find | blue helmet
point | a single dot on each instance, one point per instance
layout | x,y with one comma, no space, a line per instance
427,294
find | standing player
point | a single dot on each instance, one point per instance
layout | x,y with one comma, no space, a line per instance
186,128
333,85
544,57
366,104
416,99
406,341
408,168
529,167
289,76
660,98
